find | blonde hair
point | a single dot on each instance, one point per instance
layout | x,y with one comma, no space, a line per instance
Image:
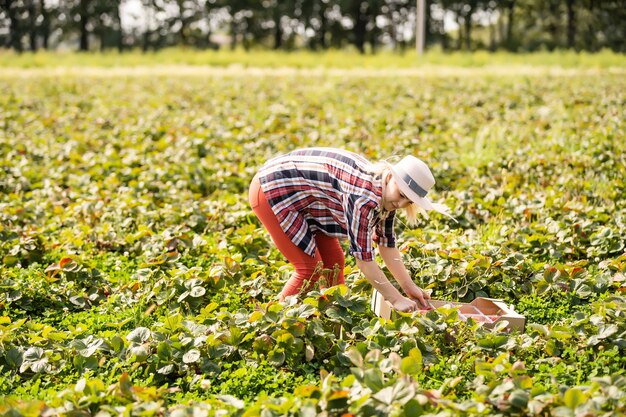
411,211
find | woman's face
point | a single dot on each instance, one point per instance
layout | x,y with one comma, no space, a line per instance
393,198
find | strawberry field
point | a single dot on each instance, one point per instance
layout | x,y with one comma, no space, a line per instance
136,281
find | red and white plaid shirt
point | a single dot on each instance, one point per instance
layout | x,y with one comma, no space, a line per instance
331,191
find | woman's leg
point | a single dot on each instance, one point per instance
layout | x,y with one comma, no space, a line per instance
333,257
304,264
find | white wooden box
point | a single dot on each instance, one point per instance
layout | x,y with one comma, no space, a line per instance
488,311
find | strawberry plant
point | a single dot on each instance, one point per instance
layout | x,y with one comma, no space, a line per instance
136,280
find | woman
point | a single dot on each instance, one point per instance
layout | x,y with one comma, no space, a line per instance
309,198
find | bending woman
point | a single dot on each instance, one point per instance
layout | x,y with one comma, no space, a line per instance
309,198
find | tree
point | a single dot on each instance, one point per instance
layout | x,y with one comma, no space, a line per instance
571,23
84,11
14,11
468,9
457,9
47,12
316,24
107,24
509,6
398,17
315,13
609,23
180,25
241,17
94,18
362,14
156,31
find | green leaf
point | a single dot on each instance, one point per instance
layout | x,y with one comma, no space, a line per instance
276,357
166,370
262,344
551,274
164,351
192,356
14,295
412,364
373,379
232,401
172,322
584,291
125,385
90,346
301,311
484,369
519,399
234,336
606,331
10,260
139,335
385,395
355,356
139,353
211,307
80,385
413,409
552,348
284,339
33,354
542,287
78,301
117,344
338,315
561,332
197,292
493,342
40,366
574,397
14,358
397,394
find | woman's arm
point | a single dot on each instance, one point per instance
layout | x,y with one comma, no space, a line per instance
377,278
393,259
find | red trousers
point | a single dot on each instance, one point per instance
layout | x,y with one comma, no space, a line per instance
329,256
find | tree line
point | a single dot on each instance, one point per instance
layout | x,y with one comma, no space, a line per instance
367,25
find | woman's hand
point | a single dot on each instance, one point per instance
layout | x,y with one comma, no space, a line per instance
393,260
405,305
416,293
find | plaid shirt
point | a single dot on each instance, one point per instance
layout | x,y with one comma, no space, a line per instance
331,191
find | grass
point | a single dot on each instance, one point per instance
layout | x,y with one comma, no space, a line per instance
307,59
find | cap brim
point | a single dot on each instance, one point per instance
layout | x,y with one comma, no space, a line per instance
422,202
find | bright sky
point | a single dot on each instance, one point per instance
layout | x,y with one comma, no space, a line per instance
133,16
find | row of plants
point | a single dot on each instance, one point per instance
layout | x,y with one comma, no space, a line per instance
194,350
136,281
380,368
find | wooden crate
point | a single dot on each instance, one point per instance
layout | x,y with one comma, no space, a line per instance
488,311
